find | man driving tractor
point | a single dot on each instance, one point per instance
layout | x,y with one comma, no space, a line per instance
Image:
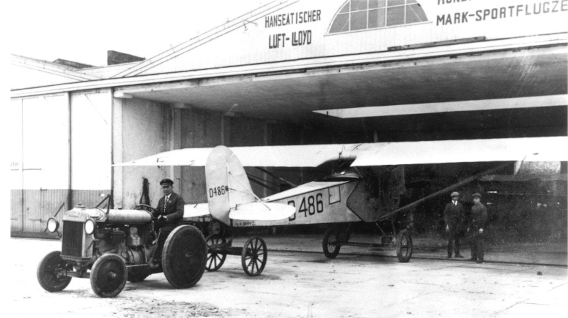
170,214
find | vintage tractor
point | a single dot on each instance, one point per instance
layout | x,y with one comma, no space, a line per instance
114,246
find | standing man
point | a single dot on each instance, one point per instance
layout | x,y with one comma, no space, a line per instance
170,214
454,216
477,225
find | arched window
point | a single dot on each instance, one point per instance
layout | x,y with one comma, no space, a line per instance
372,14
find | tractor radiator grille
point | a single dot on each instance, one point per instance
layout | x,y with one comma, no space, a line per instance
72,239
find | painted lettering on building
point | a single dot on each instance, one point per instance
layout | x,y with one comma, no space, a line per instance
292,18
504,12
295,38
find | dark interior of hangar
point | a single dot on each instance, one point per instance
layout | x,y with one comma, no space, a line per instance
526,122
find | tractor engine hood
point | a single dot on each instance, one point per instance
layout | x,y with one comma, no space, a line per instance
81,214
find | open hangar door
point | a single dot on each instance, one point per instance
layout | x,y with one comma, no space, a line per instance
495,95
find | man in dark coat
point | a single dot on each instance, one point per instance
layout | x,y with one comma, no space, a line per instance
169,214
454,215
477,227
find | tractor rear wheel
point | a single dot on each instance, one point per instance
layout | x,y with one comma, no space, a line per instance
184,256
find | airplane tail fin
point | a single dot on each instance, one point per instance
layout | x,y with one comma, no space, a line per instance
227,183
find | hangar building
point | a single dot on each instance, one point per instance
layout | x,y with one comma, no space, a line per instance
287,73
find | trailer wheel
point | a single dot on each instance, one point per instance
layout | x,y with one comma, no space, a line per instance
184,256
46,273
330,243
108,275
403,246
214,259
254,256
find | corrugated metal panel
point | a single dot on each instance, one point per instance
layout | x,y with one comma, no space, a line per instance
40,205
17,211
89,198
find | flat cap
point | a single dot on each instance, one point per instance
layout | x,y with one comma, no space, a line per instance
454,194
476,195
167,181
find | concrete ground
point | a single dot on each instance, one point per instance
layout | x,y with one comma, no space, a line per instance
431,248
303,284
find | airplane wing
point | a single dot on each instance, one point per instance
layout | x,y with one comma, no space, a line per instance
377,154
264,156
261,211
448,151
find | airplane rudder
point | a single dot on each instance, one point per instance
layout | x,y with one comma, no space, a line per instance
216,179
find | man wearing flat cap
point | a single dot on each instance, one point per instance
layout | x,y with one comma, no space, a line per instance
477,227
169,215
454,215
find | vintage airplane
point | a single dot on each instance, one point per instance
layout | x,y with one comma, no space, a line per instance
357,194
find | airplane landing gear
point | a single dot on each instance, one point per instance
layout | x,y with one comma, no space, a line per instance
335,237
330,243
403,246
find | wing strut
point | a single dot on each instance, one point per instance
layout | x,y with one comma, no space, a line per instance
277,177
448,189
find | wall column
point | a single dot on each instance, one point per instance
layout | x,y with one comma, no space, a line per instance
117,153
175,142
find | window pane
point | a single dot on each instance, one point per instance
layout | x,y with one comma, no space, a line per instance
414,13
345,8
340,24
395,16
373,19
395,2
357,5
382,18
377,18
358,20
377,4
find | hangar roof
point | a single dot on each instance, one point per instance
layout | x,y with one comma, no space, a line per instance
287,59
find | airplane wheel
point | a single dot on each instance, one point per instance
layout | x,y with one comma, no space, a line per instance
46,273
184,256
330,243
108,275
404,246
254,255
214,259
